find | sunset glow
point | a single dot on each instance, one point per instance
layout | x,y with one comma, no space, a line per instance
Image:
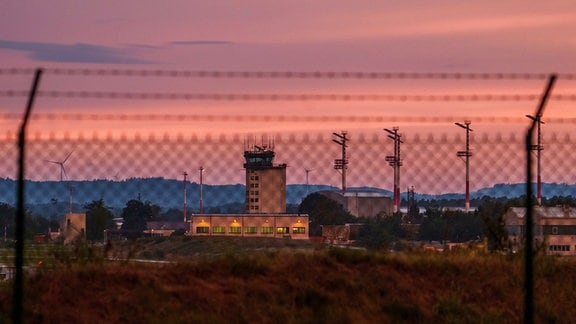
258,36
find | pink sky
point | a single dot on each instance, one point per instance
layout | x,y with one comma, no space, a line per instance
257,35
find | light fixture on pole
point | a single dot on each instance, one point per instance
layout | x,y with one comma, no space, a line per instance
201,207
538,148
307,186
466,154
341,164
395,161
184,209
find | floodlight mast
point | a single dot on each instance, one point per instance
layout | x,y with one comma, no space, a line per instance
307,185
184,208
201,205
395,161
466,154
342,164
538,148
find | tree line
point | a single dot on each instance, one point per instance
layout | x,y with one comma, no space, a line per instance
382,231
99,218
435,224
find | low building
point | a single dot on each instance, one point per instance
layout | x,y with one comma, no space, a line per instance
294,226
554,228
362,203
340,234
164,228
7,272
73,227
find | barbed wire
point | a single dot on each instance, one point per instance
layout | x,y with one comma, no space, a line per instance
287,74
107,117
280,97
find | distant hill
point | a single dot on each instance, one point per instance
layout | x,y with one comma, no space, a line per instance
49,197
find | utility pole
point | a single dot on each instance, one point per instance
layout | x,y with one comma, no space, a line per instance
184,209
466,154
201,207
395,161
307,171
538,148
341,164
70,198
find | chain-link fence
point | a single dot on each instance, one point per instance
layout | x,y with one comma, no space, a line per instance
183,151
82,145
96,167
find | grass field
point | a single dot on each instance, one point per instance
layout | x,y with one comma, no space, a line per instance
221,280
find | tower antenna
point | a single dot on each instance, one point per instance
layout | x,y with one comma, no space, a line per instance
342,163
466,154
395,161
185,207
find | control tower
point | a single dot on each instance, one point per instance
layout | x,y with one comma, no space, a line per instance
265,182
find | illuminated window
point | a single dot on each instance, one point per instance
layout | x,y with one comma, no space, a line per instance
559,248
299,230
267,230
219,229
202,229
235,230
250,230
283,230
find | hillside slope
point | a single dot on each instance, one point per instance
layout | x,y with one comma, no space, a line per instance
280,284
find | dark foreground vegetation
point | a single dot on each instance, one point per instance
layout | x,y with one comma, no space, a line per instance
270,281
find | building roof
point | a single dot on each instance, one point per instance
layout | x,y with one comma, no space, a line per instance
545,212
363,194
250,215
166,225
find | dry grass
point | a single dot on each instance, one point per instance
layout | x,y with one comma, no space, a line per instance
312,285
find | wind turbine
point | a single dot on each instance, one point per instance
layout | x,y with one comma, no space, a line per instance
61,164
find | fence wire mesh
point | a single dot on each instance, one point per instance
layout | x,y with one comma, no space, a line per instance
429,163
118,135
112,137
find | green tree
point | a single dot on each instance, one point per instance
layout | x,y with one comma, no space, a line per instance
34,224
172,215
450,225
492,211
98,219
433,225
568,201
135,215
322,210
7,219
382,231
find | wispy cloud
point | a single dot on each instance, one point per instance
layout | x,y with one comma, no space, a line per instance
201,42
73,53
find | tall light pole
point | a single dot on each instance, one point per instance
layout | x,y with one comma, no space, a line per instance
341,164
538,148
70,189
201,207
184,209
307,171
466,154
395,161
